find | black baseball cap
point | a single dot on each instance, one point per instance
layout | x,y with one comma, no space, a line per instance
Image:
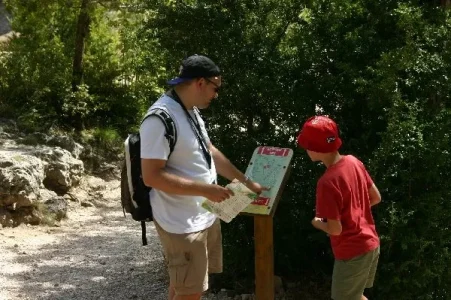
196,66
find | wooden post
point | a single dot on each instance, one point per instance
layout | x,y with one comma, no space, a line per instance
264,258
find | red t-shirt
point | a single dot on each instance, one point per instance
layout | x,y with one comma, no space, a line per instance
342,194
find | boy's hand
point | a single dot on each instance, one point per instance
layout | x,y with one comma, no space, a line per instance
316,221
331,227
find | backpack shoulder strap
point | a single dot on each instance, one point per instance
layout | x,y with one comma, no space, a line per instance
169,124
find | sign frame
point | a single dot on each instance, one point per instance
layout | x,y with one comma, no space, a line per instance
264,229
285,172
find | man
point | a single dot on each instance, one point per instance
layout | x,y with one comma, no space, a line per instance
190,235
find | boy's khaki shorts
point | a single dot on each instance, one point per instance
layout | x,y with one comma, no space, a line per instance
190,257
351,277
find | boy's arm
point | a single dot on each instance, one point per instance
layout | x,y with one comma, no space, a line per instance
375,195
328,206
331,227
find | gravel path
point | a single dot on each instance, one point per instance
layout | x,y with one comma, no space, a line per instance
94,254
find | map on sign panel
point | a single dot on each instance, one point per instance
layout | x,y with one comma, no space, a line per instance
268,167
267,170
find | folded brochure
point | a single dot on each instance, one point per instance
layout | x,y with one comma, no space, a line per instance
228,209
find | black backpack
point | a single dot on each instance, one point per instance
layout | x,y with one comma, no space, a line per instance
134,193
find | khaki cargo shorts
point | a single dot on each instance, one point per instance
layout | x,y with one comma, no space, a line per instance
190,257
351,277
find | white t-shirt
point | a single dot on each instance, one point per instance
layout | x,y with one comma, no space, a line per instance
177,213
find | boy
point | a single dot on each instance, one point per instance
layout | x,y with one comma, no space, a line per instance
344,197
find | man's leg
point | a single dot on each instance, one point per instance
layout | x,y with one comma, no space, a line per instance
171,293
186,259
188,297
214,247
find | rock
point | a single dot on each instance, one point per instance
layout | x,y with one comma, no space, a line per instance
62,171
33,139
28,215
74,197
21,176
41,173
7,125
86,204
6,219
67,143
45,195
278,285
57,207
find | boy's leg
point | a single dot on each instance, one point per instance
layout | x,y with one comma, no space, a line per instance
186,259
373,269
350,277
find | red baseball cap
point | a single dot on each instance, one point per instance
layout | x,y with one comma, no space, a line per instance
319,134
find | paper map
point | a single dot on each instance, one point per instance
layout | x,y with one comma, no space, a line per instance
230,208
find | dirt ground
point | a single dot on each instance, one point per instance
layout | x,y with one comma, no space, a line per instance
95,253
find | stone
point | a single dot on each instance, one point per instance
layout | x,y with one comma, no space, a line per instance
67,143
278,285
57,207
21,176
34,176
62,170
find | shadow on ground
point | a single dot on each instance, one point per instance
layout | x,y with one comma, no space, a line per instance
99,259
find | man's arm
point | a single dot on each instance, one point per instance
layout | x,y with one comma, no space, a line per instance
375,195
226,169
155,176
331,227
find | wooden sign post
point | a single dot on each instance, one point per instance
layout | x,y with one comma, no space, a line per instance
269,166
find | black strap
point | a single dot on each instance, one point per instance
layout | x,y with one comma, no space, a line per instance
171,136
169,124
196,128
143,233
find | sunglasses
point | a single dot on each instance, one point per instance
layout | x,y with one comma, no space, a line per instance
217,87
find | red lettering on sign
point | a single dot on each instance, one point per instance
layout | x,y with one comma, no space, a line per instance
273,151
261,201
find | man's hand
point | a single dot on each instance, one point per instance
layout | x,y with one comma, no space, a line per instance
217,193
256,187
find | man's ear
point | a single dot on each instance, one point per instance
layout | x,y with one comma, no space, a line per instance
198,83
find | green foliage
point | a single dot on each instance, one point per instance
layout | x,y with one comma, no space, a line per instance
36,68
380,68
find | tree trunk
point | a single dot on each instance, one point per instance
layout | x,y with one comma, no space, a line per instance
82,31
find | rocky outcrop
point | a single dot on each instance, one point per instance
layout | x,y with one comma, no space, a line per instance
34,177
